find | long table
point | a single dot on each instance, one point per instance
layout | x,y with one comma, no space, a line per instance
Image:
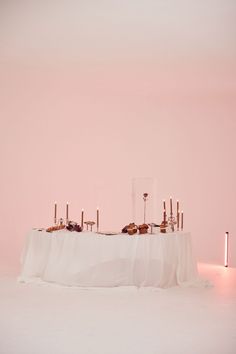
89,259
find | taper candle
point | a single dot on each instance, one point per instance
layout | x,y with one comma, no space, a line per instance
67,211
178,220
164,216
55,211
82,219
164,204
97,219
171,207
182,220
177,207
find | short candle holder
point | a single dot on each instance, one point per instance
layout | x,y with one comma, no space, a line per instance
172,222
89,223
151,226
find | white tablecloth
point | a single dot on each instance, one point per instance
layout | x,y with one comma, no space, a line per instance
89,259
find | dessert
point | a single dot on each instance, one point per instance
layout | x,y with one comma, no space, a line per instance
143,229
55,228
73,226
131,229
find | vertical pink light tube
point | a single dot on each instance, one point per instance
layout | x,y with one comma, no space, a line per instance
226,248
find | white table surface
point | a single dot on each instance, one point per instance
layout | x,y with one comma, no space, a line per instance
92,260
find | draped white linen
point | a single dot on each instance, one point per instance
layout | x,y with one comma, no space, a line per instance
93,260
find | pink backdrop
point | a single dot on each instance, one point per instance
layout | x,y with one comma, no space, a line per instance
95,94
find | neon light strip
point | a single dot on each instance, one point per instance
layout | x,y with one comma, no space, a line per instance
226,248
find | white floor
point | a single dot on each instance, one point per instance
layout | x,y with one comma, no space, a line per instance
39,319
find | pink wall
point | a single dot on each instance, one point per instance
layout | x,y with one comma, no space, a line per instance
93,95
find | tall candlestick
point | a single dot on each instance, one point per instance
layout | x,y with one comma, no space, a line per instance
67,212
97,219
82,219
177,207
171,207
55,212
182,220
178,220
164,216
164,204
145,195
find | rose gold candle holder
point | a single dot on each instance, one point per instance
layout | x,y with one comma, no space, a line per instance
89,223
172,222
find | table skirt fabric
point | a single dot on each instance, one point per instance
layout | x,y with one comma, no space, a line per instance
89,259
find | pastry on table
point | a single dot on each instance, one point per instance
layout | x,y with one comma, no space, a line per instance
55,228
130,229
143,229
73,226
